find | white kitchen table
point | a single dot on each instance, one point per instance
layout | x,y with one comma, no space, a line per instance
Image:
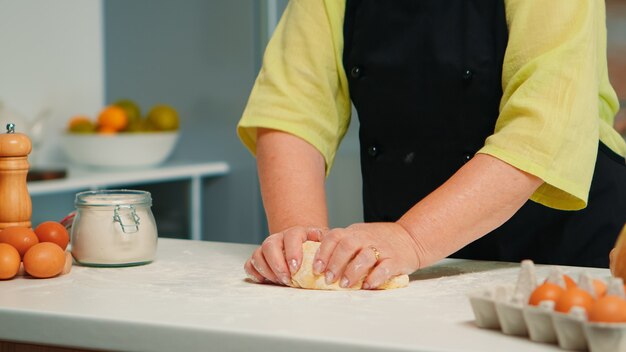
194,297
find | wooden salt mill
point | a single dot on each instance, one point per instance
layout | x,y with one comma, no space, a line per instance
15,202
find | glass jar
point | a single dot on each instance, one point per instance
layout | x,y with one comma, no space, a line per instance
113,228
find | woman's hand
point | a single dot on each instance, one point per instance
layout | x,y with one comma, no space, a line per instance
612,260
280,255
376,251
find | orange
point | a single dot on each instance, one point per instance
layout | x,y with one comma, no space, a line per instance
106,130
113,118
9,261
44,260
133,112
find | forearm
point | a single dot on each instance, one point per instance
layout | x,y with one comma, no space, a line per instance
292,175
478,198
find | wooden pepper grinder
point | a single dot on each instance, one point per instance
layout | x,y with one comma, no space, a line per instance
15,202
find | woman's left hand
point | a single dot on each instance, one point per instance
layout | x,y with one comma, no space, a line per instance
376,251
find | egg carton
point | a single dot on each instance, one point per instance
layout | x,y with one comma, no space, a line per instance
505,308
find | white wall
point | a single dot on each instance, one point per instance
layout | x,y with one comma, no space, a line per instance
51,56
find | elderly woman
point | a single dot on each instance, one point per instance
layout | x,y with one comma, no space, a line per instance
485,131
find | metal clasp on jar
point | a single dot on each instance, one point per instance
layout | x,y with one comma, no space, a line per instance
134,218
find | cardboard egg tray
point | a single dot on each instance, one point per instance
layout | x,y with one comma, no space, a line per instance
505,308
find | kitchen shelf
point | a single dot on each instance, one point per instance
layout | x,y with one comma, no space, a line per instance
81,178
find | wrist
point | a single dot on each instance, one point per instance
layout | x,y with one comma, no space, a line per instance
414,243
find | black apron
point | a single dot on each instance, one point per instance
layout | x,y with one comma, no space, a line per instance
425,78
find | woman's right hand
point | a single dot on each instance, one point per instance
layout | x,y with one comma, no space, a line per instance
280,255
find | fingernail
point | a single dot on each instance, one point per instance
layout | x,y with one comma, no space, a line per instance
344,282
318,266
257,268
329,277
365,286
285,280
252,277
294,265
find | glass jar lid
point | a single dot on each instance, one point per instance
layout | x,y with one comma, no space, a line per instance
113,197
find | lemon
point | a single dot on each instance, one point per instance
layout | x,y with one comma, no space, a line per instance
138,126
132,110
163,118
82,125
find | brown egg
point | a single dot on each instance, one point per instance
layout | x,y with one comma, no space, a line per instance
9,261
21,238
52,231
608,309
545,292
44,260
574,297
600,287
569,282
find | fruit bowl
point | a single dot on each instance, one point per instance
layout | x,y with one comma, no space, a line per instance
120,150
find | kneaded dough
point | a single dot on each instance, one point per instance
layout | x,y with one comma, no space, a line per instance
304,277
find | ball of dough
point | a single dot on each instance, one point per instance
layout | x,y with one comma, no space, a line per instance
305,278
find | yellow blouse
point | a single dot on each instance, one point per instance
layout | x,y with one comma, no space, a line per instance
557,100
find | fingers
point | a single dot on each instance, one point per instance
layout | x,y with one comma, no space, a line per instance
279,256
260,266
316,233
273,254
293,239
358,268
381,274
346,249
370,251
344,254
252,273
375,252
612,255
327,247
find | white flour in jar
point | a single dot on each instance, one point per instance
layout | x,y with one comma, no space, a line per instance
98,239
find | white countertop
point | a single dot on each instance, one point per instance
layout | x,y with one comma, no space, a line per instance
194,297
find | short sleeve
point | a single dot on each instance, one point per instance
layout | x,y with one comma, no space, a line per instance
301,88
549,113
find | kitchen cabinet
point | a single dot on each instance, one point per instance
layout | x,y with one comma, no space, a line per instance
191,173
195,297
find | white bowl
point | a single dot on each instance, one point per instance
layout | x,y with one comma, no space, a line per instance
121,150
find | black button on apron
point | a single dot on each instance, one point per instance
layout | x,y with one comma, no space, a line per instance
408,159
467,74
372,151
356,72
